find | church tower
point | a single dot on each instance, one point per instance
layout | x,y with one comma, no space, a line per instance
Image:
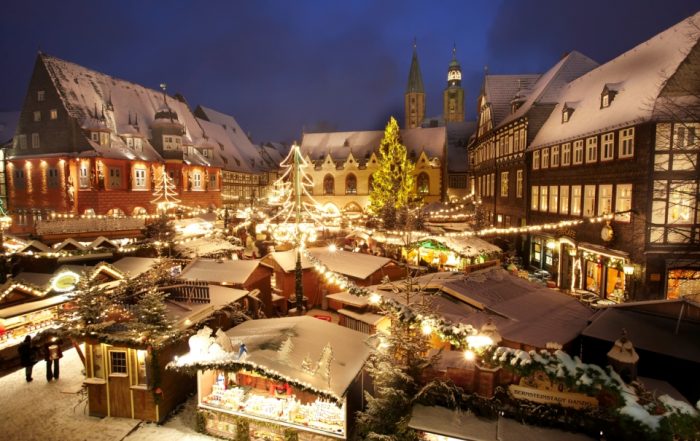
415,94
453,96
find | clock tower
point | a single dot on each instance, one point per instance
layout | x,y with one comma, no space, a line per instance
415,94
453,96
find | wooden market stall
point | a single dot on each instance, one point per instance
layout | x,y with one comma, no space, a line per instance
274,378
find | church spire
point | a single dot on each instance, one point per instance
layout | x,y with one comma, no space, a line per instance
453,96
415,93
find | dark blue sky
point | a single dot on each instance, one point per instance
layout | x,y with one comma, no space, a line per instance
279,66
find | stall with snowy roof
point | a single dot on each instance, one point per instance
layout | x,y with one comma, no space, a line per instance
452,253
362,269
125,360
273,378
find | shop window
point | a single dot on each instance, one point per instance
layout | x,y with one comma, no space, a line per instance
98,370
141,368
351,184
593,276
683,282
537,250
117,362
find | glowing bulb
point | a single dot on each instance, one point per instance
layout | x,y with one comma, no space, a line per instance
426,329
469,355
375,298
332,248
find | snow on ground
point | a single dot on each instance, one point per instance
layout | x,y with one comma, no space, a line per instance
42,411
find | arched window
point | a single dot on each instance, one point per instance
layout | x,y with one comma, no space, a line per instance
328,185
351,184
423,184
370,183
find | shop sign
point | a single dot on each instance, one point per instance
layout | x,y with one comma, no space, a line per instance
64,281
540,389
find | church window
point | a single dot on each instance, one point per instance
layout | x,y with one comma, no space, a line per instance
351,184
423,184
328,185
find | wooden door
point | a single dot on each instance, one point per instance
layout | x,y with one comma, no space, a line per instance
119,384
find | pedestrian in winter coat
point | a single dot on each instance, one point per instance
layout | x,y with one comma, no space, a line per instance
27,357
52,354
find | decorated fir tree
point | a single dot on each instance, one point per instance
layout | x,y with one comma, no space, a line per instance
392,185
150,311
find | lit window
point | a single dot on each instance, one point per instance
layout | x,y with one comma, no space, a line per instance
564,199
544,197
591,149
139,178
545,158
95,136
626,149
608,147
115,177
504,184
53,114
197,180
576,200
40,95
604,199
519,184
589,201
141,368
84,180
536,160
623,201
535,190
37,116
605,100
328,185
565,154
578,152
351,184
423,184
555,156
553,198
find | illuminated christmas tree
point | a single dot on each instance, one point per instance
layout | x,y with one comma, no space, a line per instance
165,193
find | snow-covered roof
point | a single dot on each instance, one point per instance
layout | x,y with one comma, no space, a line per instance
40,280
85,92
206,246
220,271
499,91
102,242
638,76
225,152
287,260
69,243
523,312
548,87
8,125
357,265
309,336
35,246
362,144
134,266
238,139
465,246
184,315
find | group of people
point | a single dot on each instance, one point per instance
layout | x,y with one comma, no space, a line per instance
51,351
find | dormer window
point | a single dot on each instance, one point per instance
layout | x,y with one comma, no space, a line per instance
95,136
605,100
566,114
608,94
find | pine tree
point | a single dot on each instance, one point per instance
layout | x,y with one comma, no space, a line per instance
89,302
324,362
286,350
151,311
392,184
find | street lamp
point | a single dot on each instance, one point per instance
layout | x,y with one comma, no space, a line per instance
628,269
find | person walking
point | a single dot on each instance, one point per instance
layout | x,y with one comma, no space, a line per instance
27,357
52,355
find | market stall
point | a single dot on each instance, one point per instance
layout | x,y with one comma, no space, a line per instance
450,253
274,377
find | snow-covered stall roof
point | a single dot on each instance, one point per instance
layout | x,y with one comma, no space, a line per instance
357,265
27,307
287,260
102,242
669,327
465,246
220,271
523,312
184,315
206,246
69,244
362,144
35,246
134,266
309,336
638,76
8,125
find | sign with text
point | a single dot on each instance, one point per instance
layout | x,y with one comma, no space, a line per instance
540,389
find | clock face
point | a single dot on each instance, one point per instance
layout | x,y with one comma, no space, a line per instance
606,233
454,75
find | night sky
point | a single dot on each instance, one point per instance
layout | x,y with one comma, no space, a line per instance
281,66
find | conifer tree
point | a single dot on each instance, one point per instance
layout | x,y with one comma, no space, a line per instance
286,350
393,183
324,363
151,311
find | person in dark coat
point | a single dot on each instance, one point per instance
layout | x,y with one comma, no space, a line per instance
27,357
52,354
